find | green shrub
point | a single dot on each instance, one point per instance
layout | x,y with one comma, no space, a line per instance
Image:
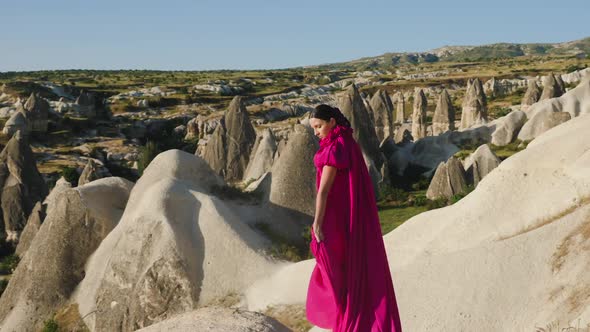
70,174
420,200
438,203
421,184
146,154
9,263
50,325
3,285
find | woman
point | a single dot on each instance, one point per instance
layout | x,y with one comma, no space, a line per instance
350,288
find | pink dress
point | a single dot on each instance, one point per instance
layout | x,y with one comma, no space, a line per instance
350,289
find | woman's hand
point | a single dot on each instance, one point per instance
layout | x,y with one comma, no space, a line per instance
317,231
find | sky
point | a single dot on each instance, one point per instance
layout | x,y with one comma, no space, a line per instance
260,34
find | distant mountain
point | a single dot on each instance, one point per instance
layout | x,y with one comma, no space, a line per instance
466,53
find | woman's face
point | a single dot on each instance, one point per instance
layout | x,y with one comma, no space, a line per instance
321,128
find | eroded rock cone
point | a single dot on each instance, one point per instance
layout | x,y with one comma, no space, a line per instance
552,88
532,94
263,155
444,114
400,106
228,151
87,103
383,114
419,115
293,173
15,123
89,174
176,247
21,185
449,179
474,105
37,112
352,106
55,262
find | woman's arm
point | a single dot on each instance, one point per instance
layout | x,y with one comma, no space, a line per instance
328,176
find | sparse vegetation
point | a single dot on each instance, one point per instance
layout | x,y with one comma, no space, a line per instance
9,263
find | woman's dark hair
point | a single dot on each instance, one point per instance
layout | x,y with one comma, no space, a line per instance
325,112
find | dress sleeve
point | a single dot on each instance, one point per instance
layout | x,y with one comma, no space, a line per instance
335,155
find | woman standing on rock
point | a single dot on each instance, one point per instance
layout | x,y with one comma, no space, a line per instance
350,288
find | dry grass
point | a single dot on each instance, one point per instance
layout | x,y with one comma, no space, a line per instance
547,220
292,316
569,243
68,319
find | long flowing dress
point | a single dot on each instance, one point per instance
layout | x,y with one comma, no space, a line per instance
350,289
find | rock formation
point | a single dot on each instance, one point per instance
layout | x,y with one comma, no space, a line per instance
192,129
89,174
21,185
531,96
228,150
400,107
36,110
86,102
352,106
508,127
419,115
383,114
15,123
176,248
444,115
552,87
262,155
474,105
480,163
31,228
449,180
55,261
293,173
547,114
219,319
510,236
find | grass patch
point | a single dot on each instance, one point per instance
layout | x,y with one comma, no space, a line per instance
391,217
281,247
292,316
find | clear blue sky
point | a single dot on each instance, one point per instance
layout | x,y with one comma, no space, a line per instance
257,34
